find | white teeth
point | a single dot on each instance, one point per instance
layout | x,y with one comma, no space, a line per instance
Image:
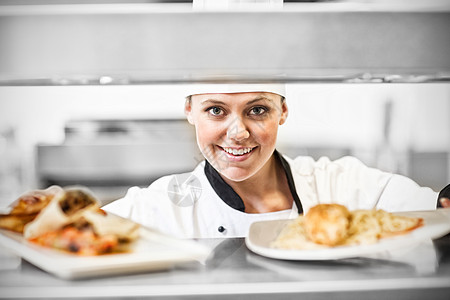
240,151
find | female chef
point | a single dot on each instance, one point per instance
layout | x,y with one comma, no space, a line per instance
244,179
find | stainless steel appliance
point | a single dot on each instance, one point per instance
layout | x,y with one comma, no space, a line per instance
110,155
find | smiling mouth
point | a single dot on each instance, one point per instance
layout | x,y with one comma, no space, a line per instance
236,151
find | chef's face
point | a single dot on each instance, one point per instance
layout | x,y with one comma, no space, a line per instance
237,132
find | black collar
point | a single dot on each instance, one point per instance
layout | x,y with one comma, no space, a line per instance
231,198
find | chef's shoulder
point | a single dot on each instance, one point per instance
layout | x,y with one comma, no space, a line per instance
306,165
159,194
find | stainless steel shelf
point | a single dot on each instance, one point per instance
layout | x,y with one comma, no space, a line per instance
106,45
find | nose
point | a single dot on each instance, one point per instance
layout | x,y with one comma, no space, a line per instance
237,130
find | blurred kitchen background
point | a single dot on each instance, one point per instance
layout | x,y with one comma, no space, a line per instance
72,111
112,137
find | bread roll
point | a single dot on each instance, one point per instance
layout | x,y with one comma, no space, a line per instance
327,224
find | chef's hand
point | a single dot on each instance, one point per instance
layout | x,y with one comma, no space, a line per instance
445,202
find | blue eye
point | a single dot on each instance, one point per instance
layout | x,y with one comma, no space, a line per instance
215,111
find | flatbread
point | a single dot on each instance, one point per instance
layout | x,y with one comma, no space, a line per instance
26,208
61,211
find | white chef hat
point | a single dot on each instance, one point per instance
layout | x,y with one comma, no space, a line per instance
276,88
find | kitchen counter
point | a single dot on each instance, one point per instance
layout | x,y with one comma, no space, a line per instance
232,270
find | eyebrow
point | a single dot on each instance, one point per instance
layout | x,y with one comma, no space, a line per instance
258,99
212,101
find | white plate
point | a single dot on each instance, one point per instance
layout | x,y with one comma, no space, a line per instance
261,234
152,251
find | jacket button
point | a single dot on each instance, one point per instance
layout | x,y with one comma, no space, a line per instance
221,229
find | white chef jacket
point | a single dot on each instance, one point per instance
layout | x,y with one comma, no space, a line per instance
188,206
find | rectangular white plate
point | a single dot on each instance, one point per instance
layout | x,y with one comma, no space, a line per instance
261,234
150,252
